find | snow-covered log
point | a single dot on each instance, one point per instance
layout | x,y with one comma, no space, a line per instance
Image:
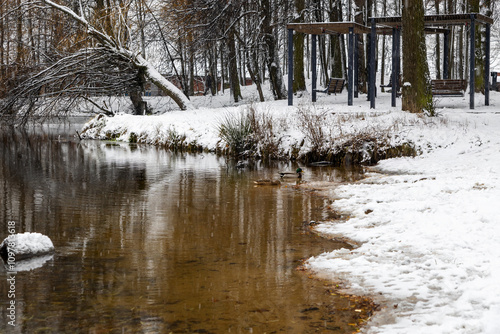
26,245
114,45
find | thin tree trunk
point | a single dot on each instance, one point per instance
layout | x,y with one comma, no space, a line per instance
299,80
254,74
382,69
465,42
222,69
318,13
438,45
19,37
337,70
233,69
273,64
191,72
362,70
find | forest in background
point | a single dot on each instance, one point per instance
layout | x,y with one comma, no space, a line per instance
47,53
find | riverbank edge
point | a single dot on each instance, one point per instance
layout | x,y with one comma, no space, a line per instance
363,306
357,149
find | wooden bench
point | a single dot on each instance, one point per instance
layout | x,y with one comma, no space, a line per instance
495,85
335,85
448,87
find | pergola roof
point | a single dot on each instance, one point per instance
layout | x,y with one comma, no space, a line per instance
433,24
438,20
319,28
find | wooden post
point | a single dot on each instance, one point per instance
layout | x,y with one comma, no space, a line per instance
394,74
398,60
356,66
446,61
313,67
371,87
349,67
290,67
487,66
472,63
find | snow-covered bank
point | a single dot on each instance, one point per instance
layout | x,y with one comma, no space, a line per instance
428,230
326,128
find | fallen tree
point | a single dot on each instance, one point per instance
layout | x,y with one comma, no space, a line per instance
115,46
57,88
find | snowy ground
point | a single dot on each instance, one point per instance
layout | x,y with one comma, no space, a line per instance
427,227
428,230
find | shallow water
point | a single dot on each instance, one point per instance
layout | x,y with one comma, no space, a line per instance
155,242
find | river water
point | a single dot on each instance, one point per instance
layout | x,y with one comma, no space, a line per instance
149,241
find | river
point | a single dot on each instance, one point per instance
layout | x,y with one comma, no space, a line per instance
151,241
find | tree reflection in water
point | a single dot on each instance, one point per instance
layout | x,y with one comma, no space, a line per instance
150,241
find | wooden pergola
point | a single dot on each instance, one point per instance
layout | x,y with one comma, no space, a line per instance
386,25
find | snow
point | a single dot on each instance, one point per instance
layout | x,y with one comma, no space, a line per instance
426,228
27,244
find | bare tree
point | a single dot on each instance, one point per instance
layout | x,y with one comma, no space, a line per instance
115,45
85,74
337,42
417,95
299,80
271,44
474,7
109,28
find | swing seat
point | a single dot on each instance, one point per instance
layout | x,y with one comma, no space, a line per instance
335,85
448,87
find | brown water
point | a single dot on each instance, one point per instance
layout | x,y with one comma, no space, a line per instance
154,242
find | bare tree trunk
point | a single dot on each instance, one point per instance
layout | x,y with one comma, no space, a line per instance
474,7
19,37
254,74
452,68
362,69
438,45
273,63
318,15
337,70
382,69
191,72
213,69
299,80
142,25
137,101
417,95
233,69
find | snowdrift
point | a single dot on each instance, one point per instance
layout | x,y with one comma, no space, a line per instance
25,245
